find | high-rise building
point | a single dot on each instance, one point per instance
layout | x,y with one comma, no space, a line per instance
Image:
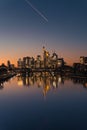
46,57
8,64
28,62
20,63
83,60
38,62
54,60
60,62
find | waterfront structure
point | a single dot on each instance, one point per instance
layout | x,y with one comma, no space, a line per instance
60,62
46,58
8,64
83,60
54,60
20,63
3,69
28,62
48,61
81,67
38,61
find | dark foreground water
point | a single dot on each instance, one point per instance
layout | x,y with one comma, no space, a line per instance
43,103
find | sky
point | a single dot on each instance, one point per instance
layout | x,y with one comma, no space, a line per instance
59,25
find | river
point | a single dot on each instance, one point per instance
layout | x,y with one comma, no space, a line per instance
43,103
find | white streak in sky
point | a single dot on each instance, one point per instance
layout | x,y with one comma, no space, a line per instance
36,10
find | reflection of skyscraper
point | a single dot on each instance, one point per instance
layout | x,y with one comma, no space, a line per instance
55,82
26,81
46,85
1,86
43,81
46,89
20,81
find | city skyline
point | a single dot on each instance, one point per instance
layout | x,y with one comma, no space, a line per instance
24,32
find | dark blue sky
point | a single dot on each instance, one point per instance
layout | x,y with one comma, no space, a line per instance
23,31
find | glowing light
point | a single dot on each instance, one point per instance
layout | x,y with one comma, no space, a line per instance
59,79
20,83
54,84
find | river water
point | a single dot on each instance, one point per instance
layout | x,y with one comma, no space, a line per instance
43,103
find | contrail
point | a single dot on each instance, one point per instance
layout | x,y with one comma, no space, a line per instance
36,10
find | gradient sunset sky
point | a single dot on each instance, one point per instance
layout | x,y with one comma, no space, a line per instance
23,31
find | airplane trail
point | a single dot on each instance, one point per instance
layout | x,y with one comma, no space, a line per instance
36,10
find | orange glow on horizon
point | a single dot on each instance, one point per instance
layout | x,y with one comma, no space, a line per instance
12,61
69,61
69,57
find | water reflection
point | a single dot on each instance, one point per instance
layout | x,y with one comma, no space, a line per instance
46,81
82,81
1,85
25,109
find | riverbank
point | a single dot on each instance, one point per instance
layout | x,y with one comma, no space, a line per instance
4,77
